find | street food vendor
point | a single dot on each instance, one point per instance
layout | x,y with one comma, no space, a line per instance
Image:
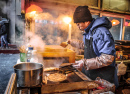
98,45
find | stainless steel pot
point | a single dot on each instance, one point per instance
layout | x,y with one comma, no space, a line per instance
28,74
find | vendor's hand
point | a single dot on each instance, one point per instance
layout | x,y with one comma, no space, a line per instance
68,41
64,44
79,64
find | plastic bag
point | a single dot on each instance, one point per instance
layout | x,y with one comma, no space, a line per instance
121,69
104,86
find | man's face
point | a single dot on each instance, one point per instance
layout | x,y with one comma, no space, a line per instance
83,25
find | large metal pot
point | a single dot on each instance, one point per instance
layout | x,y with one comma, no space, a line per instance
28,74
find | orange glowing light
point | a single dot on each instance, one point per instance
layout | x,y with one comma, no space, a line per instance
67,20
128,24
115,22
33,12
33,8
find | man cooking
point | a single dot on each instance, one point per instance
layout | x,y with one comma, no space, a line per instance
98,45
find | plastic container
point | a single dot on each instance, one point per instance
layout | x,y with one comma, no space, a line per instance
23,57
29,53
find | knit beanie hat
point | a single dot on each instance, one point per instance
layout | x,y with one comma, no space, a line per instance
82,14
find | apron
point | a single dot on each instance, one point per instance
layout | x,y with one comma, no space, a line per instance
106,73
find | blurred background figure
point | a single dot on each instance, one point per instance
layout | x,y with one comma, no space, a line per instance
3,34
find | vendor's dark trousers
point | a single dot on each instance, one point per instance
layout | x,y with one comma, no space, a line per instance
4,40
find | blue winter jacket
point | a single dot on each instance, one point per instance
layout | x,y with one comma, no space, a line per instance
103,41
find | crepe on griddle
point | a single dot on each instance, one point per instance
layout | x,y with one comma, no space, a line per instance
57,77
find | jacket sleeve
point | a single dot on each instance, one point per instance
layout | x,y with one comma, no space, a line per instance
77,43
3,30
98,62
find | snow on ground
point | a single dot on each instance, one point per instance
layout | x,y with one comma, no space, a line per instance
7,61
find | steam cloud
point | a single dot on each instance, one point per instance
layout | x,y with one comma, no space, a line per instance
49,30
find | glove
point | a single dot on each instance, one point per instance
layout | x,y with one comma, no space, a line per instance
64,44
98,62
79,64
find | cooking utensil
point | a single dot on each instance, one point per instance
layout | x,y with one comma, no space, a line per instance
22,49
28,74
66,64
50,69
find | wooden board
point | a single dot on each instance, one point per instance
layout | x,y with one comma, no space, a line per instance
63,53
54,48
64,87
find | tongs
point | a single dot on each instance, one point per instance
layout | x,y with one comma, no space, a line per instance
67,68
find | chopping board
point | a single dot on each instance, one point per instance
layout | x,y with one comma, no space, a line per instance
54,48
